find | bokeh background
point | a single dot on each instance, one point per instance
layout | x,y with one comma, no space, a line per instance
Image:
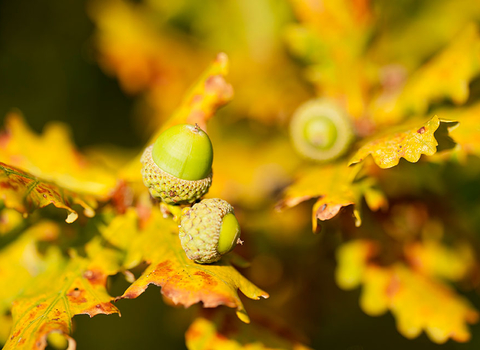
114,70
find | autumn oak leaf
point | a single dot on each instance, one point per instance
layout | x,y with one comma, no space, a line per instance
335,186
411,144
25,193
53,157
412,296
217,333
67,287
183,281
210,92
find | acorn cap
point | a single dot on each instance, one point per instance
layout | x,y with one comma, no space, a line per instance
171,189
209,230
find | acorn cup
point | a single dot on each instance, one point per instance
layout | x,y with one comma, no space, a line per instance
208,230
320,130
177,168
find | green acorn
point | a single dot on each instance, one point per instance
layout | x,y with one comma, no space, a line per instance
178,167
320,130
209,230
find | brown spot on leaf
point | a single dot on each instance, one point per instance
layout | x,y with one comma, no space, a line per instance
6,185
207,279
14,335
165,266
76,296
326,212
101,308
421,130
95,277
122,197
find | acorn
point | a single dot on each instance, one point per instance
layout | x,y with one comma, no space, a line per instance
208,230
320,130
177,168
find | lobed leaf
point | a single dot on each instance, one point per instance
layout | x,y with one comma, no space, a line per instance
333,37
255,174
143,57
447,75
20,261
467,133
209,93
53,157
48,289
25,193
183,281
411,144
413,297
334,185
409,40
10,219
435,259
208,334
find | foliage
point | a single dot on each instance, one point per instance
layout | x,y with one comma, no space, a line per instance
398,213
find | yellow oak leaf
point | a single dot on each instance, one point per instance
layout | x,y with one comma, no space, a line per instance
334,185
10,219
53,157
414,38
256,172
183,281
25,193
351,262
144,59
208,334
467,133
341,29
209,93
410,144
48,288
447,75
418,301
5,327
435,259
20,261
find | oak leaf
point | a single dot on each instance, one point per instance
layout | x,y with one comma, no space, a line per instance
408,40
466,134
387,150
257,171
340,31
432,258
55,287
208,334
25,193
144,59
210,92
53,157
334,185
413,297
447,75
182,281
20,261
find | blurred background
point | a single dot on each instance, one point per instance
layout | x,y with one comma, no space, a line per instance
114,70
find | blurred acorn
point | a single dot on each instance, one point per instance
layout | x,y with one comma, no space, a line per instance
320,130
